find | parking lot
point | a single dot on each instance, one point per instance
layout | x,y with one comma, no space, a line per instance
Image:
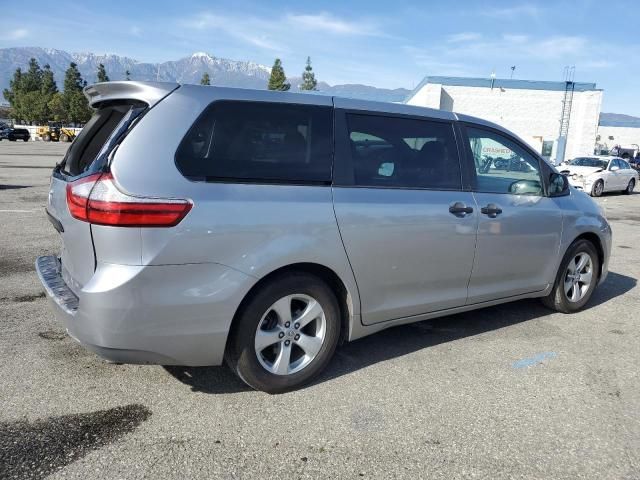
513,391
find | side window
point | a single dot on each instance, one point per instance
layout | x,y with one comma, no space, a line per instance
502,166
403,152
625,165
259,141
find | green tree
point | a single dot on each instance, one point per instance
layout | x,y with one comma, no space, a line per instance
127,75
49,86
25,94
32,79
47,90
73,79
15,86
309,81
56,108
278,80
75,103
205,79
102,74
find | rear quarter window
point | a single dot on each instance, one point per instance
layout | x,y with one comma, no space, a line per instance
259,142
85,148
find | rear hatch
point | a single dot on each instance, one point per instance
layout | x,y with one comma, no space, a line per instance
119,106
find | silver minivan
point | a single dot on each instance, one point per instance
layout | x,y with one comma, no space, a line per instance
203,224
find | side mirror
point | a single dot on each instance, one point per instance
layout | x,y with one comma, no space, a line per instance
525,187
558,185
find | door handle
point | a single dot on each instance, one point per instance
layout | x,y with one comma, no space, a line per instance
459,209
491,210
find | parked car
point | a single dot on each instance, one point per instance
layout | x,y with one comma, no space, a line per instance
264,228
635,163
599,174
13,134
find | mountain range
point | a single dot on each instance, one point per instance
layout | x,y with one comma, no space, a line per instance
222,71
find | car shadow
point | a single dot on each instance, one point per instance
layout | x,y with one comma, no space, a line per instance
405,339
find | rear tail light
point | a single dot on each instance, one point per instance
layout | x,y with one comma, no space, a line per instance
96,199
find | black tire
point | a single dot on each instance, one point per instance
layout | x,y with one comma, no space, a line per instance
557,300
47,138
241,353
597,189
630,187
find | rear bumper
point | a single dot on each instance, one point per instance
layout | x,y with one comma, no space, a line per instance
165,314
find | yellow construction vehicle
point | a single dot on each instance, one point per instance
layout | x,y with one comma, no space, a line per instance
55,132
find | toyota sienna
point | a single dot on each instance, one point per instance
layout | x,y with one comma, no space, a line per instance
204,224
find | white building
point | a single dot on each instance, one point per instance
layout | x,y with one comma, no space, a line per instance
623,132
531,109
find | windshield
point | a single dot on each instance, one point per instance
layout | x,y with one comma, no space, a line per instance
588,162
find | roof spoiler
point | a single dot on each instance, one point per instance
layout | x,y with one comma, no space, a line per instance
147,92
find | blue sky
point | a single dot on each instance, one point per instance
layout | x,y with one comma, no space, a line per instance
381,43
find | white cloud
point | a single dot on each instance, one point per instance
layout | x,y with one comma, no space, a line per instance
596,64
523,10
463,37
515,38
559,46
250,30
17,34
436,64
328,23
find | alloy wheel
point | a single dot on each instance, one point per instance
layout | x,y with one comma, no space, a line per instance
599,188
290,334
578,277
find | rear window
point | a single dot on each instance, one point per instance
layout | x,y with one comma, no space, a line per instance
259,142
85,148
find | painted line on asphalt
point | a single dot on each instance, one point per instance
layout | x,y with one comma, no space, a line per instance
537,359
17,211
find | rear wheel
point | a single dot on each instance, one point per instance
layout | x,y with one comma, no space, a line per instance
286,334
64,138
47,138
630,186
576,278
597,189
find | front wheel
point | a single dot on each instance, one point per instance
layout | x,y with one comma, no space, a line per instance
286,333
576,278
630,186
597,189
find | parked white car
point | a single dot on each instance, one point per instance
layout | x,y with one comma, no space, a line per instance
598,174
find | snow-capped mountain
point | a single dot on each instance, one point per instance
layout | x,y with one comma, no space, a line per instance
221,71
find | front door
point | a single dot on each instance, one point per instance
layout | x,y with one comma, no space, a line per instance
408,228
519,226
